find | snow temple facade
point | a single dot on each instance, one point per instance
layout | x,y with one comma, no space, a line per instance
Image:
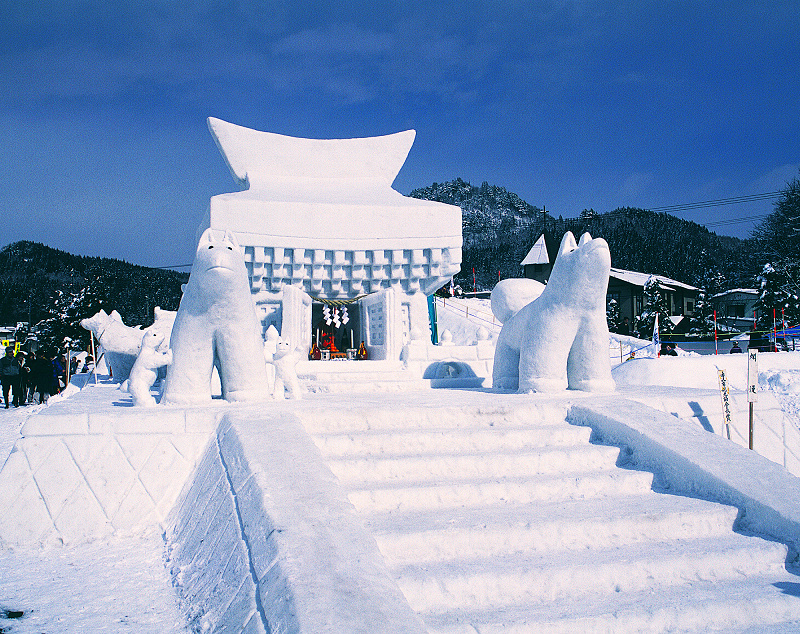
325,235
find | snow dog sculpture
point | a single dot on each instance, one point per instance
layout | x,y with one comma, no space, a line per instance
560,339
145,370
216,325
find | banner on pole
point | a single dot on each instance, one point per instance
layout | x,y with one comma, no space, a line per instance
752,375
726,403
656,337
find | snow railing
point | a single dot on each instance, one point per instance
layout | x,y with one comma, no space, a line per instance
473,314
687,460
264,540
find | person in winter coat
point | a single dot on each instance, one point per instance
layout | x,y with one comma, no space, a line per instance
24,377
9,375
44,376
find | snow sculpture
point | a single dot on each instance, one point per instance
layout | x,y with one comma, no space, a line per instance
560,339
284,360
144,371
511,295
319,216
120,342
216,325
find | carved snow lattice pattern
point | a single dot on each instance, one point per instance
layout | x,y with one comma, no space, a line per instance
78,487
347,274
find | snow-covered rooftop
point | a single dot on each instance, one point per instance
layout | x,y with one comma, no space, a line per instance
746,291
537,254
639,279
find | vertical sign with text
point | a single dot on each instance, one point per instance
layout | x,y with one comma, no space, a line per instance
752,375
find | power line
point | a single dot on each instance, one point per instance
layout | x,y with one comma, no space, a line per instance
718,202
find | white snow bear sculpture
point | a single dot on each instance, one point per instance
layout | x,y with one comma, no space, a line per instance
560,339
285,359
145,369
216,325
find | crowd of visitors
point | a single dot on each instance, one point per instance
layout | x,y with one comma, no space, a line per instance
26,374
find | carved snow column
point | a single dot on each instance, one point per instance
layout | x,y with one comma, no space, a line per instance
381,324
296,317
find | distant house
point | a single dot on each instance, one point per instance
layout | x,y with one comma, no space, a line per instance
537,263
627,287
736,308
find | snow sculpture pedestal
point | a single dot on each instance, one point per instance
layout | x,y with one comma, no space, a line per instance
560,339
93,466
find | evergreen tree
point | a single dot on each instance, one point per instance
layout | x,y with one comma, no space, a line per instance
612,315
702,322
655,304
779,235
61,329
779,238
780,292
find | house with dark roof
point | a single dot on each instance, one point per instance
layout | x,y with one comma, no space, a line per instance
626,287
736,308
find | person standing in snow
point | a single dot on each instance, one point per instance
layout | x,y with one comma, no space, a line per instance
625,328
43,373
9,375
24,377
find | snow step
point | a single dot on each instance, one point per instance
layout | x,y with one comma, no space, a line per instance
415,442
481,492
757,604
568,526
532,580
410,419
455,467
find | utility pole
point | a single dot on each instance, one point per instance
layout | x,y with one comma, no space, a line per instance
544,219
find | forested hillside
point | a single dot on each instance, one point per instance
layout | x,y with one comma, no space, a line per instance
499,229
39,283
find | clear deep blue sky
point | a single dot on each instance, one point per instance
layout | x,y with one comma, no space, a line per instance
570,104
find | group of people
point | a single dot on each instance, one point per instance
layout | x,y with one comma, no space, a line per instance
24,374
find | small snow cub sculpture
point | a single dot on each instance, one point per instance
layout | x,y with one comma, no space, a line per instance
560,339
285,359
145,369
216,325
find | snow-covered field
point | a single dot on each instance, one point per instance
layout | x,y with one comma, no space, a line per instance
122,585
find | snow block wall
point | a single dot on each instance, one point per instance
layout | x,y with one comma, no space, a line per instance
688,460
76,476
296,558
450,365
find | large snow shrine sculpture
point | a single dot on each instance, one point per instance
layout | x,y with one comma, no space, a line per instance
560,339
216,325
319,219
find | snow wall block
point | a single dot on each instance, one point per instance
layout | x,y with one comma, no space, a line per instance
297,557
77,476
688,460
450,365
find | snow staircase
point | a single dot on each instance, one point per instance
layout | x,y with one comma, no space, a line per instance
349,377
511,520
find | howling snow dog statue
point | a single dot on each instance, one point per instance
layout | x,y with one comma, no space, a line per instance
560,339
145,369
216,325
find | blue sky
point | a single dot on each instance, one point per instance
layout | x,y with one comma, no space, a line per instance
570,104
